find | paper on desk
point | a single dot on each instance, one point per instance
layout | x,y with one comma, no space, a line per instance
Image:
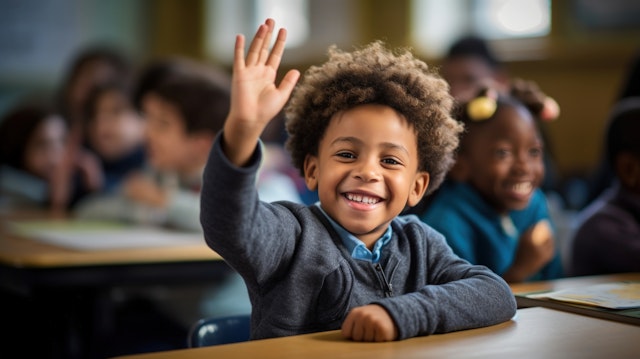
618,295
86,235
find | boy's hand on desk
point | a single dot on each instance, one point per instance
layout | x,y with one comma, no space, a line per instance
369,323
535,249
255,99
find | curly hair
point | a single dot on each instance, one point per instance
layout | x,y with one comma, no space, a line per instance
375,75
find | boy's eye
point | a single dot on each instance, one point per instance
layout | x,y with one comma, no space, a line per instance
390,161
346,155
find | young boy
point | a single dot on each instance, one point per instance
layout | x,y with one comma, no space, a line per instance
370,131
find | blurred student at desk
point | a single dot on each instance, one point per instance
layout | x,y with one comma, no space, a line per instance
608,235
33,141
184,108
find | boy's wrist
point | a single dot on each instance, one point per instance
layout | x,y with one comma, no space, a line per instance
238,146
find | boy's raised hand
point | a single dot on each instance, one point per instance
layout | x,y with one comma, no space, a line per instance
255,98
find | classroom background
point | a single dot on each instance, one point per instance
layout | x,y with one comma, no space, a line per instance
579,51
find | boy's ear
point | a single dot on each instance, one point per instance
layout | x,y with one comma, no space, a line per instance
311,172
420,185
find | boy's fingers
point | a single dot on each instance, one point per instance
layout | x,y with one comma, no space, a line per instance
289,82
255,47
264,51
238,57
278,49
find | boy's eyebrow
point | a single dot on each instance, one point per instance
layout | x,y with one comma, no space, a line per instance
388,145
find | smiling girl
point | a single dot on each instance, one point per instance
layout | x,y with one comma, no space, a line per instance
491,210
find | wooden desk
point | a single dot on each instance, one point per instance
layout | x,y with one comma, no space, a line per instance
70,289
566,283
534,333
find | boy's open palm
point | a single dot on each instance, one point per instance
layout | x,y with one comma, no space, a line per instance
255,98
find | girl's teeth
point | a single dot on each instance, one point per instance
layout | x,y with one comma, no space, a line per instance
522,187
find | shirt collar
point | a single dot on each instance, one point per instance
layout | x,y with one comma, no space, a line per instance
356,247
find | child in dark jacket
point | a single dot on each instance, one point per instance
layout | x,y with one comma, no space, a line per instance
608,236
371,132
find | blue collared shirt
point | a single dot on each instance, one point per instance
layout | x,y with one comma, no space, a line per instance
356,247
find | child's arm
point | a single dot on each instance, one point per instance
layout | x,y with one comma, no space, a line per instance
535,249
454,296
255,99
369,323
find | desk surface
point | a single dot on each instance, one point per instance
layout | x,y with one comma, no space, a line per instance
23,252
533,333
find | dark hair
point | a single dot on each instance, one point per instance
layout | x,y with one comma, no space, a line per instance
152,75
623,130
473,46
114,58
16,128
203,101
631,86
522,93
375,75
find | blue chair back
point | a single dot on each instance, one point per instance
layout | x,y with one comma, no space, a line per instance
219,330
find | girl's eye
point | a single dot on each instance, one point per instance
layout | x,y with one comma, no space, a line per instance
535,152
502,153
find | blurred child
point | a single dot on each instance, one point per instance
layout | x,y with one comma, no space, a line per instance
608,238
184,108
183,113
356,127
32,149
470,65
89,68
114,131
492,211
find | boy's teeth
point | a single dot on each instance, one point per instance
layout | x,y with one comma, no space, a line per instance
361,198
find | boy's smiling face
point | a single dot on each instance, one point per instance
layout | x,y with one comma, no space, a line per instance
366,170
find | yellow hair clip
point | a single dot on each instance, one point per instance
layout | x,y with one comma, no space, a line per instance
482,107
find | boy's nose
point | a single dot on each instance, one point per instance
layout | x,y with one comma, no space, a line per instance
368,170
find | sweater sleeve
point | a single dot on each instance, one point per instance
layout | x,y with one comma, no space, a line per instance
256,238
458,296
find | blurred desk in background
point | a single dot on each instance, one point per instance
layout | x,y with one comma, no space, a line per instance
69,290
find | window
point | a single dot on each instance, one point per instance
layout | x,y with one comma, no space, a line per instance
436,24
312,25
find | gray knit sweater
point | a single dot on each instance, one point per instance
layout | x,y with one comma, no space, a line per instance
301,279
